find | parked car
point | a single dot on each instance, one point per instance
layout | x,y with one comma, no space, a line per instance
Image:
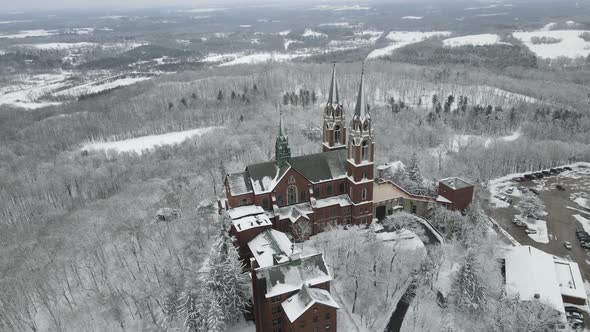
529,176
567,168
546,172
534,191
523,189
519,223
517,179
576,323
560,187
585,245
553,171
572,314
569,308
530,231
567,245
509,190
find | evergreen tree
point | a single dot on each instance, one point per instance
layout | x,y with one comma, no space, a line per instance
233,95
219,96
255,88
314,97
469,291
183,101
434,100
194,95
286,99
414,170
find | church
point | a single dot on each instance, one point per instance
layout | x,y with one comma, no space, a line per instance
322,189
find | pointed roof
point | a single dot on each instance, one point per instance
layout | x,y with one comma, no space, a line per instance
333,97
360,110
282,131
298,304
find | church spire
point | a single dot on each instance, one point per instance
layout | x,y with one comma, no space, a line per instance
333,97
282,150
360,110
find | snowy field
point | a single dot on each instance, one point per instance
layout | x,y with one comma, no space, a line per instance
29,33
59,46
36,91
412,17
403,38
102,85
569,43
308,33
146,143
474,40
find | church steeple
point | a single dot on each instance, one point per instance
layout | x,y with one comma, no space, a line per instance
361,134
282,150
333,97
360,110
334,130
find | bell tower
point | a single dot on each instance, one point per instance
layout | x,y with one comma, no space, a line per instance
334,130
282,150
361,149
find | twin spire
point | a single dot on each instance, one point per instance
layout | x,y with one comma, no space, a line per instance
333,95
360,110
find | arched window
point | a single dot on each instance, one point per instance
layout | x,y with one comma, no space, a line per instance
364,194
366,126
365,150
291,195
342,188
337,134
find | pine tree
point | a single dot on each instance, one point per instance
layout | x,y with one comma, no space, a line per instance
286,99
414,170
314,97
219,96
468,289
233,95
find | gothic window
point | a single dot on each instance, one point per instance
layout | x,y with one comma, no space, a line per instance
366,126
291,179
337,134
342,188
291,195
365,150
364,194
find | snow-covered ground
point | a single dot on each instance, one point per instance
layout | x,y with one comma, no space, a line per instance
474,40
140,144
412,17
404,38
569,43
289,42
29,33
26,92
336,24
458,141
309,33
263,57
341,7
59,46
102,85
214,58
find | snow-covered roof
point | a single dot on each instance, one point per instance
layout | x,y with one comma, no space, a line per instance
530,272
249,222
294,212
292,275
298,304
387,190
270,246
442,199
570,279
392,167
456,183
246,210
239,184
265,176
341,200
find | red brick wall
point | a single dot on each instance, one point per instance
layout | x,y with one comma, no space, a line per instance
319,315
235,201
300,182
460,198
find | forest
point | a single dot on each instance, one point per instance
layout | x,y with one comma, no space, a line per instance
81,247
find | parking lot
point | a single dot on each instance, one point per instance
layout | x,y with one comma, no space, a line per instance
564,215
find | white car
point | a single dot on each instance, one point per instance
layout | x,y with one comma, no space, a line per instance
530,231
567,245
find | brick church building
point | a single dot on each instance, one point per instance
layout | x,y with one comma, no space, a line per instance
331,187
291,291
